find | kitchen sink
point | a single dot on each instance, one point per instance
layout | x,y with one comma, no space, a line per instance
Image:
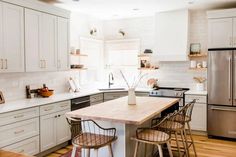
108,89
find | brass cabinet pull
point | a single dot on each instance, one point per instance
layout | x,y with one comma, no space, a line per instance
45,65
48,109
1,63
6,67
19,116
18,132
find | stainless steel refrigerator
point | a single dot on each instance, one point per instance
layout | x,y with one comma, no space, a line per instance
221,118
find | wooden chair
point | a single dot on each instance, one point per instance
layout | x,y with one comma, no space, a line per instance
87,134
156,136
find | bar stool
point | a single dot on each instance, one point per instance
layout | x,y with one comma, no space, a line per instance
177,127
90,136
156,136
188,117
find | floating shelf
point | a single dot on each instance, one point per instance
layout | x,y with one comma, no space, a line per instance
144,55
79,68
82,55
148,68
198,69
198,55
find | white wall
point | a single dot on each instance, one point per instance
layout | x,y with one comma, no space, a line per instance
142,28
13,84
80,26
176,74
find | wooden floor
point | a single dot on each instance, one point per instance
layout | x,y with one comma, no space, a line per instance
205,148
213,147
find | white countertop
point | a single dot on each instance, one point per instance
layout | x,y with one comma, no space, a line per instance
194,92
34,102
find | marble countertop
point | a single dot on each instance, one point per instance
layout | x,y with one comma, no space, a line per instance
34,102
194,92
119,111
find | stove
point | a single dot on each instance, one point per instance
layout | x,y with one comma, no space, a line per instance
170,93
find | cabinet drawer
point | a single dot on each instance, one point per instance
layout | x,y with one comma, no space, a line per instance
95,103
142,94
199,98
64,105
16,132
95,98
12,117
55,107
28,147
115,95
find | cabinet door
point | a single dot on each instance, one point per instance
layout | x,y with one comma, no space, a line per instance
48,47
63,44
13,38
1,37
220,33
234,32
63,129
32,40
48,132
199,120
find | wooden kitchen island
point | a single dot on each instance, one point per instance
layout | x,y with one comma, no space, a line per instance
125,118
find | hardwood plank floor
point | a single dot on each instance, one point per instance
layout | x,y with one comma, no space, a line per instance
205,148
213,147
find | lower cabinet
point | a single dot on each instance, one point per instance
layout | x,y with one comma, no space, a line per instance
54,130
29,146
199,113
114,95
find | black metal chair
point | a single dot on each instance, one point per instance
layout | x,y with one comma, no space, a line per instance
87,134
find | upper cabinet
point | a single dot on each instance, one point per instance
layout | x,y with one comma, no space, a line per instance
172,35
11,38
220,33
63,44
46,43
222,28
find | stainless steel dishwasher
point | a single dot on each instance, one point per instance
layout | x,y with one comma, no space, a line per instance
76,104
79,103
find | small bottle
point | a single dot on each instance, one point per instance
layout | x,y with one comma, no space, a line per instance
28,93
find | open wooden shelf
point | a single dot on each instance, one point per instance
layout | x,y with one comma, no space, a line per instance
79,68
82,55
198,55
198,69
144,55
148,68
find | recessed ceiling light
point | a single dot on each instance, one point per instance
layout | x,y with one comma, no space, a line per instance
115,15
191,1
135,9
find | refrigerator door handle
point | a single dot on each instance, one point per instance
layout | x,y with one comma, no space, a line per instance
229,83
223,109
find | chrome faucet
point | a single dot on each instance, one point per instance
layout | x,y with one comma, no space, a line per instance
111,79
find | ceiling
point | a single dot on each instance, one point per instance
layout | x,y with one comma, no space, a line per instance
113,9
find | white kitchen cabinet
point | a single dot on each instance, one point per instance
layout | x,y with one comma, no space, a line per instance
172,33
62,126
12,38
40,41
33,60
199,114
114,95
199,117
220,33
49,42
54,128
63,43
29,146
